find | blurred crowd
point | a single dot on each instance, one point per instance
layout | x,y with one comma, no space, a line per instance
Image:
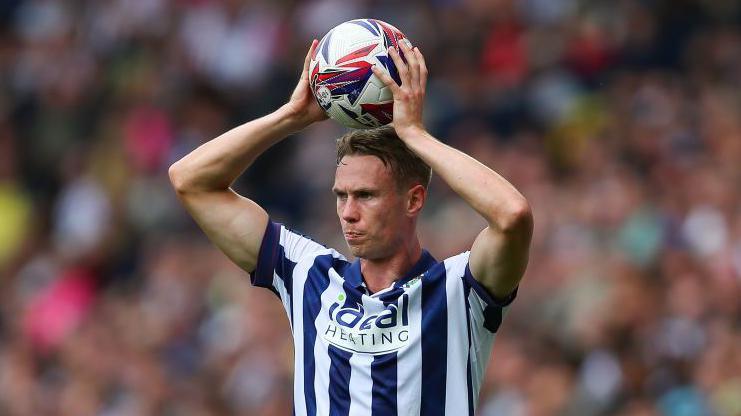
619,120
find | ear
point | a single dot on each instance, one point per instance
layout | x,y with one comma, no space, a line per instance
416,197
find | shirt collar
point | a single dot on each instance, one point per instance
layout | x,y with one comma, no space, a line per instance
354,276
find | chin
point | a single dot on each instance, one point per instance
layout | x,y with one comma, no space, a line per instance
356,251
367,253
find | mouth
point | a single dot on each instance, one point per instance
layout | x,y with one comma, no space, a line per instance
352,236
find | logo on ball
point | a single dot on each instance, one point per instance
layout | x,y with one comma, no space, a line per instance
324,97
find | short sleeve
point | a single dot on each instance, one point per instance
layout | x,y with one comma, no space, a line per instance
484,311
491,308
280,250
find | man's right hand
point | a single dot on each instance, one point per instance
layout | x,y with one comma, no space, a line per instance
302,106
203,178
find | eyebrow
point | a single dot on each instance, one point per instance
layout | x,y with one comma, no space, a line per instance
355,191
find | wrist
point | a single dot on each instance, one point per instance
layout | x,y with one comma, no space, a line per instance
411,133
291,119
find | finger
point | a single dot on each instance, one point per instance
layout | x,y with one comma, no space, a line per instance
412,63
386,78
401,67
422,68
307,60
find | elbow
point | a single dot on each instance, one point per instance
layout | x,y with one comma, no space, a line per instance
517,219
187,178
177,177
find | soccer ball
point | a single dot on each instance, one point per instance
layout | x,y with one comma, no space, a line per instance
341,77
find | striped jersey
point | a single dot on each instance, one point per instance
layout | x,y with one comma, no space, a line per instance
418,347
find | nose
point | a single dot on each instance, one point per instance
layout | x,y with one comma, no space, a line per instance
349,211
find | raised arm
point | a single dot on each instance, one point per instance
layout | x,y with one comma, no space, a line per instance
499,254
202,179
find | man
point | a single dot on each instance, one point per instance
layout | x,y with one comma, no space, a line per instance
395,332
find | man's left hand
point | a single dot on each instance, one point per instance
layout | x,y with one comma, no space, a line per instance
409,96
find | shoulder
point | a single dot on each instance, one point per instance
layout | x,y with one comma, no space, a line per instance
282,250
457,270
457,264
325,259
295,244
451,269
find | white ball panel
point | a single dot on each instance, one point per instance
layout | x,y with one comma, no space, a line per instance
385,95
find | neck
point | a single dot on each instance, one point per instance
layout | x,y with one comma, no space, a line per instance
381,273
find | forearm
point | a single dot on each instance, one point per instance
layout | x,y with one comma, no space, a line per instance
487,192
216,164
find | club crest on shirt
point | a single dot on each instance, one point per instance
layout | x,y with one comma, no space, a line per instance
353,329
412,282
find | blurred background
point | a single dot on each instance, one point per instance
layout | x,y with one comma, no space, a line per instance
620,121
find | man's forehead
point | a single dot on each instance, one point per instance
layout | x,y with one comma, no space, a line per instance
362,164
362,169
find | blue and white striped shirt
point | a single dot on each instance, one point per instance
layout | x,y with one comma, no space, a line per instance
418,347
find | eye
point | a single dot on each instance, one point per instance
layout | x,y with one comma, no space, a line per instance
364,195
341,196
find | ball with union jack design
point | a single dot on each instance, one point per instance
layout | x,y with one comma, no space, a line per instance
341,77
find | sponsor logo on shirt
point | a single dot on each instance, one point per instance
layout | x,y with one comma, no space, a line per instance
352,329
